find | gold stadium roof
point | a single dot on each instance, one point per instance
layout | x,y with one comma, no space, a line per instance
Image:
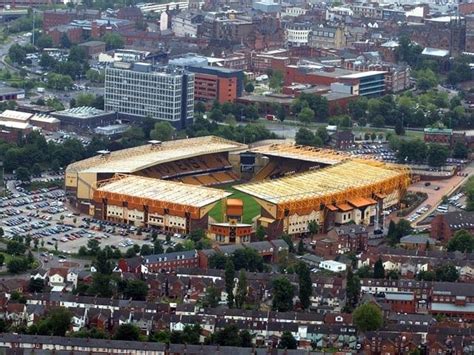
139,158
339,182
172,192
299,152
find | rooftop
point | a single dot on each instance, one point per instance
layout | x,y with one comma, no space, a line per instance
417,239
306,153
9,90
328,185
81,112
138,158
435,52
172,192
460,220
8,115
399,296
361,75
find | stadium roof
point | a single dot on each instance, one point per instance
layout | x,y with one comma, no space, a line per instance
355,176
306,153
160,190
139,158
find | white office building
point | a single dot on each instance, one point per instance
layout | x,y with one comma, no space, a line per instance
138,90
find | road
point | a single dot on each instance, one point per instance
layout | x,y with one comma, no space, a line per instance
446,188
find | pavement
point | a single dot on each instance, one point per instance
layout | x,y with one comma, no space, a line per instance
446,188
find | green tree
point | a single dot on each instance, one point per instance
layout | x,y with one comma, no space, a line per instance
437,155
36,170
462,241
229,276
305,137
301,247
247,259
95,76
249,88
368,317
460,150
260,233
163,131
306,115
113,40
313,227
65,41
287,341
446,272
276,80
2,259
44,41
379,271
199,107
241,294
46,61
352,289
136,290
128,332
283,292
305,284
23,174
15,247
211,298
17,265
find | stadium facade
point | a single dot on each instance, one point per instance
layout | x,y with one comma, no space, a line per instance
169,185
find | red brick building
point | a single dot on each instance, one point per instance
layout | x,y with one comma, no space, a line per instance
352,238
213,83
56,17
401,302
438,135
74,34
444,226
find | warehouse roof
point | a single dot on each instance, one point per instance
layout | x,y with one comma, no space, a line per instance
162,190
139,158
306,153
354,175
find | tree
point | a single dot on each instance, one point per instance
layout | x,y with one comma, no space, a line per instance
199,107
95,76
163,131
127,332
249,88
301,248
305,137
146,250
229,276
217,261
289,241
446,272
17,265
399,129
287,341
367,317
313,227
44,41
248,259
460,150
211,298
229,336
22,174
306,115
93,245
15,247
280,113
113,40
352,289
437,155
241,294
2,259
46,61
305,284
379,271
136,290
260,233
65,41
276,80
36,170
462,241
283,292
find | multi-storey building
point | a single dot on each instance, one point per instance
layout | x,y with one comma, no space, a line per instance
141,90
470,33
328,37
297,34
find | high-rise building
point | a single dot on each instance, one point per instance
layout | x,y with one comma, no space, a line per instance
138,90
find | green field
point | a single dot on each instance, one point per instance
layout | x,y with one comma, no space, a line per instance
251,208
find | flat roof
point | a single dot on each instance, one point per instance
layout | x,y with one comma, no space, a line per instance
330,182
10,90
162,190
142,157
82,112
15,124
299,152
363,74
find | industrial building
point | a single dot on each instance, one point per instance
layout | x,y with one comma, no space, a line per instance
333,189
139,90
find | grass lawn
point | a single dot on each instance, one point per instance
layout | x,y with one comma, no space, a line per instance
251,207
7,257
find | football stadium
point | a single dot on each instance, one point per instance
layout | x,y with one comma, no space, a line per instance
177,185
